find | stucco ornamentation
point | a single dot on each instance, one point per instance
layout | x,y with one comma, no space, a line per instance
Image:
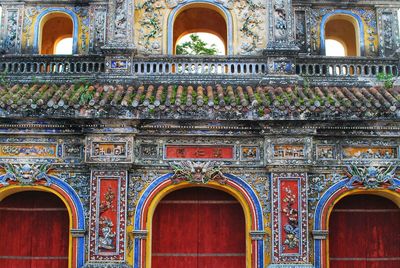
197,172
26,174
372,177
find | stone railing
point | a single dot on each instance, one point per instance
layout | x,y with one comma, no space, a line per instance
219,69
346,66
50,64
178,65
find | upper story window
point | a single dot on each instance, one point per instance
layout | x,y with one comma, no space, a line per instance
342,36
208,22
56,31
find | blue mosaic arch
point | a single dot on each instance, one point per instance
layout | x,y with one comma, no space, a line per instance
75,25
172,15
80,214
246,187
342,12
318,215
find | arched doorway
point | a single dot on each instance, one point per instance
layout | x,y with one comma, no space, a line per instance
364,231
198,227
189,19
342,33
34,230
55,28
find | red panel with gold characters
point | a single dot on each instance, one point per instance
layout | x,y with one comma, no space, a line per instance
199,152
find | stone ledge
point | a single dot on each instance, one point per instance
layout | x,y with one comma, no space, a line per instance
288,265
106,265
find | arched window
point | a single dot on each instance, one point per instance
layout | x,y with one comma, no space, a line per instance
208,21
56,32
342,31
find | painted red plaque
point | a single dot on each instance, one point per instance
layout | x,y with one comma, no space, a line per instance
198,152
289,216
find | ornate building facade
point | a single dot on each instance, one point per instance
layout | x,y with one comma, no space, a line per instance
124,154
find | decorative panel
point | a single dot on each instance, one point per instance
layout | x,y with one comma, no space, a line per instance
41,150
325,152
289,151
289,217
12,33
366,152
199,152
108,216
98,27
36,150
249,153
300,29
115,149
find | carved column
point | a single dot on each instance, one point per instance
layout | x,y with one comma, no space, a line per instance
388,31
119,46
11,29
280,30
281,47
98,27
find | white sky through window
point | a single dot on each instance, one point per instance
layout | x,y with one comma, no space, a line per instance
64,47
334,48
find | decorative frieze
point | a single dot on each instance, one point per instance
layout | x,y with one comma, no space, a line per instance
368,152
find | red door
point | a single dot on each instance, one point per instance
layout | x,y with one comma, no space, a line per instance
364,232
198,228
33,231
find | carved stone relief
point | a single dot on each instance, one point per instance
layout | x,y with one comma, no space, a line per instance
98,28
12,30
389,40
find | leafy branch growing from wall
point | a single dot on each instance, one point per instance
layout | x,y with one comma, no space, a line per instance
387,79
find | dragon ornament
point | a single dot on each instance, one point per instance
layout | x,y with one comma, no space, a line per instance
197,172
26,174
372,177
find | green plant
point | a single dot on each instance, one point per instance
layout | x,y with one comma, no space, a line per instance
387,79
4,81
195,46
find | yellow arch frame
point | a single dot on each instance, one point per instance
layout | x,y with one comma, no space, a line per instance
12,189
391,195
48,17
230,190
352,20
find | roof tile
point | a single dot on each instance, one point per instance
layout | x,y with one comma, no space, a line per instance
268,101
